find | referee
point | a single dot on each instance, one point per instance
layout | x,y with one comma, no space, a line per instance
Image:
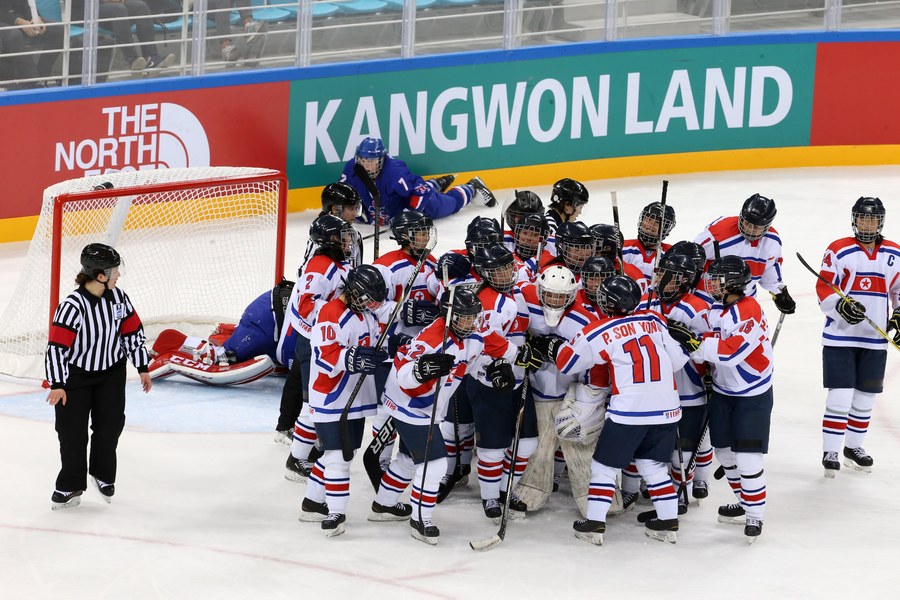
93,330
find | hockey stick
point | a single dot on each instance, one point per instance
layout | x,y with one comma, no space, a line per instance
376,200
346,442
456,475
777,328
615,210
838,291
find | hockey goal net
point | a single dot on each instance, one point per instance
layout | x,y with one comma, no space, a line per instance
197,244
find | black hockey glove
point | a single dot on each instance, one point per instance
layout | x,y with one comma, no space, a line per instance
784,302
545,347
682,334
851,311
432,366
419,312
501,375
525,358
894,323
364,359
458,266
395,341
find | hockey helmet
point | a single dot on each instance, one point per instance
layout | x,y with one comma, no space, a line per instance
482,232
674,276
370,155
574,244
496,266
531,231
412,228
556,288
696,253
727,275
594,271
525,203
618,295
331,232
339,194
869,212
365,288
99,258
568,191
655,224
756,217
465,318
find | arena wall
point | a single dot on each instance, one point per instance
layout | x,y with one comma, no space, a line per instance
518,118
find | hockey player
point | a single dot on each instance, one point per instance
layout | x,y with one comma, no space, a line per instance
343,339
751,236
400,189
654,226
574,245
319,282
608,242
530,236
340,200
524,203
740,406
867,268
423,379
643,407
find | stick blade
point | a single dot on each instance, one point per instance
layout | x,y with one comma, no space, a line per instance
485,545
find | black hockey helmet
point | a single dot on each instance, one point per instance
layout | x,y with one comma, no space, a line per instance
496,266
654,224
525,203
365,288
465,319
481,233
531,231
756,217
695,252
676,269
607,240
569,191
618,295
727,275
406,225
339,194
595,270
574,244
867,206
99,258
331,232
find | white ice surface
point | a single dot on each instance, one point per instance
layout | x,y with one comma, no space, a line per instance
202,509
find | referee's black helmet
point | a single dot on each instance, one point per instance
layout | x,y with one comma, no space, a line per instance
99,258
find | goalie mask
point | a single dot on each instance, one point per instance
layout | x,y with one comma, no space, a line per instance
412,228
594,271
655,224
673,276
575,244
365,288
465,318
727,275
99,258
482,232
756,217
556,290
525,203
867,219
529,234
333,233
497,267
370,156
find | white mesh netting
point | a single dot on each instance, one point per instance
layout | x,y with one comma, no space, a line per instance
192,257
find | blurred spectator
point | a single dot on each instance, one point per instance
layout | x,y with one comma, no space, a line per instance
254,37
22,31
121,10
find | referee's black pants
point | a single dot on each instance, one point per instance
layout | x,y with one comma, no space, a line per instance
100,396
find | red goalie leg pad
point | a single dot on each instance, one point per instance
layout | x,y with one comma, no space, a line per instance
215,374
169,340
160,366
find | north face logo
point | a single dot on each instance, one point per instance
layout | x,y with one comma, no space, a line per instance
138,137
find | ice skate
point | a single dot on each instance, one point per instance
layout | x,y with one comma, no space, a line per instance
485,195
858,460
444,182
629,499
492,510
753,529
701,490
333,525
397,512
312,511
590,531
284,437
732,514
663,530
296,469
107,490
517,508
831,464
65,499
424,531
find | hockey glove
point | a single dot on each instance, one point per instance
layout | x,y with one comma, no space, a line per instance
525,358
545,347
851,311
432,366
501,375
682,334
894,323
419,312
784,302
395,341
458,266
364,359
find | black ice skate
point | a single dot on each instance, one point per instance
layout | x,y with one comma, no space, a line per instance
397,512
296,469
444,182
485,195
629,499
663,530
107,490
590,531
857,459
492,509
732,514
312,511
65,499
831,464
701,490
424,531
517,508
753,529
333,525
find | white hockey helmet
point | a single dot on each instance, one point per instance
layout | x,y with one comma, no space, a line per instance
556,290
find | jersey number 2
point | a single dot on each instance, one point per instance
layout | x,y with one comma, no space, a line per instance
636,348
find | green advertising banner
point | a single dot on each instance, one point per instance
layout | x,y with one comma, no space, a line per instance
556,109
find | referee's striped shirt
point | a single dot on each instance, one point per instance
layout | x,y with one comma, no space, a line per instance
94,334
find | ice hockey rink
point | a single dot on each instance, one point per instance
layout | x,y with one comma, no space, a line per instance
202,509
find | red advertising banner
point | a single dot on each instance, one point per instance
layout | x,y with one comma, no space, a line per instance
245,125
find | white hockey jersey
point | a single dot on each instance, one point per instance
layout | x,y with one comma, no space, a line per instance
320,282
397,267
337,329
691,311
634,253
643,359
410,401
871,278
762,256
739,348
504,321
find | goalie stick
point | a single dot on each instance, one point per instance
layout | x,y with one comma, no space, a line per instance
376,201
346,442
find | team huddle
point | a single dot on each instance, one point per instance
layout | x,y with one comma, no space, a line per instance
547,346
